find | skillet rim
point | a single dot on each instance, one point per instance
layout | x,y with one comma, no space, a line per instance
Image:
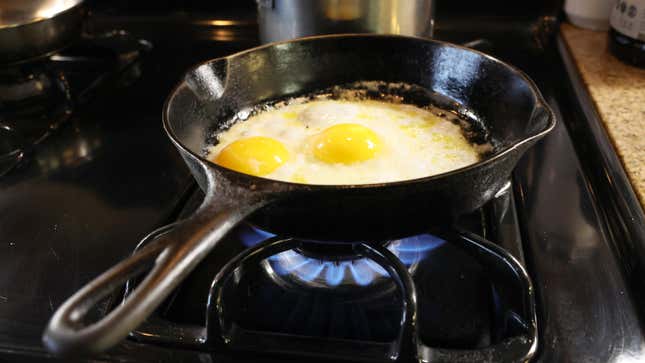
540,103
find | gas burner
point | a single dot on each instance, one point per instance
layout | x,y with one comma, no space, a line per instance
34,100
38,97
24,83
265,293
329,265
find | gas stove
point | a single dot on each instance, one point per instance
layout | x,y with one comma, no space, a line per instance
547,271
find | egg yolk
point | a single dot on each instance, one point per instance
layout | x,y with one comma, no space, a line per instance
346,143
254,155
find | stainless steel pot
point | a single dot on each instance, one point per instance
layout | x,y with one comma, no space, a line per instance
288,19
32,28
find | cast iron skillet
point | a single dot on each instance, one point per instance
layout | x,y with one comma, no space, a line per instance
498,95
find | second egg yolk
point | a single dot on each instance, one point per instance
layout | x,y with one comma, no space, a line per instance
256,155
346,143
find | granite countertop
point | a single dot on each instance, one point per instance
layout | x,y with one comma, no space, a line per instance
618,90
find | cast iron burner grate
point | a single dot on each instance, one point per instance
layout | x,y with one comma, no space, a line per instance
446,295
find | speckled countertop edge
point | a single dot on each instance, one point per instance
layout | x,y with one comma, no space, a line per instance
618,91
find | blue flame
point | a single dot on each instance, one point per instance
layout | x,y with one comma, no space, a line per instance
362,271
251,235
335,272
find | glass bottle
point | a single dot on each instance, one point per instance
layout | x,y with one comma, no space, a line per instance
627,31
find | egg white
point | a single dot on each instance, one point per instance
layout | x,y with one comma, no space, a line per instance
415,143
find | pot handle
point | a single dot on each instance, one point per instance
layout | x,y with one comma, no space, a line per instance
173,257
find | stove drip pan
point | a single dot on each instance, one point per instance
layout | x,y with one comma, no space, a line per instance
443,296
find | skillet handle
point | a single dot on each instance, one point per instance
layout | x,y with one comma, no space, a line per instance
172,257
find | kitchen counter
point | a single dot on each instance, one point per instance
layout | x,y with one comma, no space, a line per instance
618,90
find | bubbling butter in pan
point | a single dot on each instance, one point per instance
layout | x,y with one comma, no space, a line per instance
328,141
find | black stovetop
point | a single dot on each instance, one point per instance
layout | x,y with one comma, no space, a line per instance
83,197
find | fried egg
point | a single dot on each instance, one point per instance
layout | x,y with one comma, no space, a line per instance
344,142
